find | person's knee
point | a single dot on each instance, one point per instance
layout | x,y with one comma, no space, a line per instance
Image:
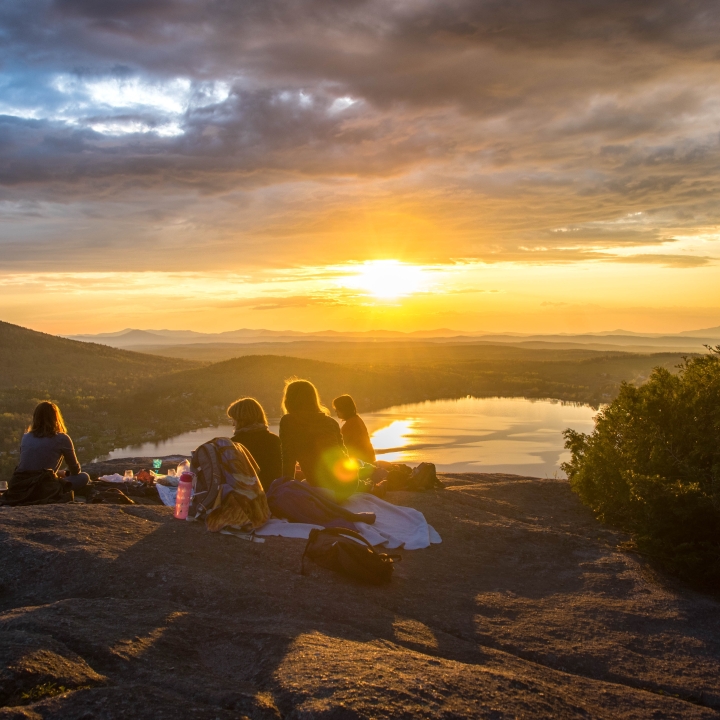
79,481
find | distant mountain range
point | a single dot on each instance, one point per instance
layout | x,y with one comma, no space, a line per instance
131,336
147,340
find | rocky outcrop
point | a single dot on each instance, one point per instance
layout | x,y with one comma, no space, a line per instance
529,608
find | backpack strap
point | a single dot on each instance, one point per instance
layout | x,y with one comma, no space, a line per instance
340,531
354,534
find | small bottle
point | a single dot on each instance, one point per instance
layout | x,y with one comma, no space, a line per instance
184,493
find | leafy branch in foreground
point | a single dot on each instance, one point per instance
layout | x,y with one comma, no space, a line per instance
652,467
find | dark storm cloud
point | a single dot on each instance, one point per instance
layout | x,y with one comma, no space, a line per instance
524,116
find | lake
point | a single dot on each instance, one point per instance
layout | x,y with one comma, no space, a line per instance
509,435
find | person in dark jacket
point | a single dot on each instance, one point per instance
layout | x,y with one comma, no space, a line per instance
251,431
46,445
355,434
310,437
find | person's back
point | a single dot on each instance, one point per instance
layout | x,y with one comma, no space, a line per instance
357,439
46,445
312,438
355,434
47,453
251,431
264,446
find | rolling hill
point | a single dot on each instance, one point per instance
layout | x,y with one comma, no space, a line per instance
30,359
112,398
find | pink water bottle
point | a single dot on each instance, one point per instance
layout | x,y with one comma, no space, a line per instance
184,493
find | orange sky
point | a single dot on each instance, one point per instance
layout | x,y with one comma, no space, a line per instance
577,297
540,166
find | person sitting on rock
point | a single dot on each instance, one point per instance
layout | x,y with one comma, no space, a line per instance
251,431
310,437
355,434
46,445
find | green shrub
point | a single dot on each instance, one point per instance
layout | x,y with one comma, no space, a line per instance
652,467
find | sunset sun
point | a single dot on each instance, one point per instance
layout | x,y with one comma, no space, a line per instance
387,279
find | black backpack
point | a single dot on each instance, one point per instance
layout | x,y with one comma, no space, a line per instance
348,552
424,477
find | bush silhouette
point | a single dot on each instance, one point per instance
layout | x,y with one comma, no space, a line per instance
652,466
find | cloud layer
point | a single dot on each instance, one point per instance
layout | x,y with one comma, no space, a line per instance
321,131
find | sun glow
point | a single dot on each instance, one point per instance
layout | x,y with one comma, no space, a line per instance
397,434
387,279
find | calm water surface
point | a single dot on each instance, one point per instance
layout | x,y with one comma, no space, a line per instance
511,435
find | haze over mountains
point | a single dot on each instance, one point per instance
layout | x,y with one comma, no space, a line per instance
164,340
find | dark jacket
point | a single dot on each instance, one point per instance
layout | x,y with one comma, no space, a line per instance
314,440
264,446
36,488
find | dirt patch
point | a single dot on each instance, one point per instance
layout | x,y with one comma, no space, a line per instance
527,609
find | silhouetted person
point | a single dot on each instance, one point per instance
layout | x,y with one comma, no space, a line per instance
310,437
46,445
355,434
251,431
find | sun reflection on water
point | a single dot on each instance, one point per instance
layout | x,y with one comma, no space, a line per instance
397,434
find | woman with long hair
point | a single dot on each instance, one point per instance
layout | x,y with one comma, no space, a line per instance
251,431
46,445
355,434
310,437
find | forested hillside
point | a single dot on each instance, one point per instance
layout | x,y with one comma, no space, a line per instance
30,359
82,377
113,398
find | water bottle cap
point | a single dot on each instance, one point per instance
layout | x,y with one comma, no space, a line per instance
186,477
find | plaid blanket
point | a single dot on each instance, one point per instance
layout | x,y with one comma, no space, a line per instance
228,494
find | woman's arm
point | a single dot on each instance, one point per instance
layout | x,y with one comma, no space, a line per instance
68,452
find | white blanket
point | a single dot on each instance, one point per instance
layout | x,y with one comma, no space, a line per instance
394,527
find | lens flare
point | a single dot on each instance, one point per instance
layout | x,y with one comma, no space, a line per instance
346,469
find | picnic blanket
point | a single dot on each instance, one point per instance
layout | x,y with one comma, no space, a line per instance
227,493
300,502
394,527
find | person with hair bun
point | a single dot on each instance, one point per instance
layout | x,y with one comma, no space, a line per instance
310,437
46,445
355,434
251,431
